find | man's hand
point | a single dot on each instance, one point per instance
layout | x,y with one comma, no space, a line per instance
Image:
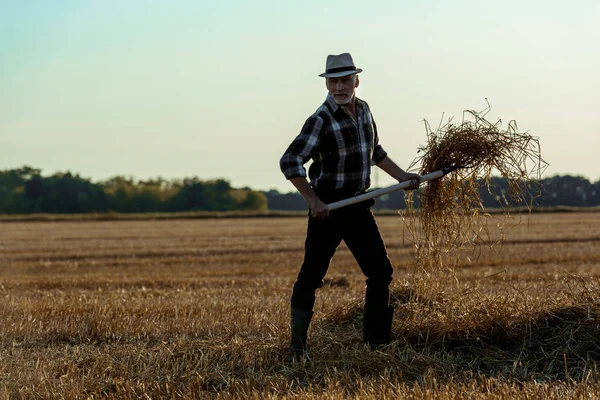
415,180
393,170
318,209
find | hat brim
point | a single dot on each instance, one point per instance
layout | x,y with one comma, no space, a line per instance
339,74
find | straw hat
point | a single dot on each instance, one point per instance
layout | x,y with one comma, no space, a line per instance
339,65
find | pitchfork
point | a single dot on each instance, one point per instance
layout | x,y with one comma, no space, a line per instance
389,189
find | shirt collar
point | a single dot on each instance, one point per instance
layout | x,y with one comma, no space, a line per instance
331,104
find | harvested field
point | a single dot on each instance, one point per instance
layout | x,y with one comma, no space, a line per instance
200,308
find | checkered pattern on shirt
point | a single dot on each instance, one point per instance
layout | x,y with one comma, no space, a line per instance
341,149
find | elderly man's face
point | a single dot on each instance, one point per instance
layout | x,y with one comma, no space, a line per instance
342,88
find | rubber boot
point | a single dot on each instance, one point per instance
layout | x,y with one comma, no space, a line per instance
300,322
377,326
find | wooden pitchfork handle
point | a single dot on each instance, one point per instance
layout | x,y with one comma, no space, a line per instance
386,190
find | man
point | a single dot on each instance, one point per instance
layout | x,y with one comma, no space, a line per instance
341,139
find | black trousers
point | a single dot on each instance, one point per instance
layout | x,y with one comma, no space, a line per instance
356,226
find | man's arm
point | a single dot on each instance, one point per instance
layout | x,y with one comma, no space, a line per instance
293,160
393,170
318,209
381,159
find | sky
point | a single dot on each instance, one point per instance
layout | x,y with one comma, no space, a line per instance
218,89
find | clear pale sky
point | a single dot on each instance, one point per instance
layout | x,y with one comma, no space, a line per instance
218,89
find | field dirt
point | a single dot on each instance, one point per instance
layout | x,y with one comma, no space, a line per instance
200,308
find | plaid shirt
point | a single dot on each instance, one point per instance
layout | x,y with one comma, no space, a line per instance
341,149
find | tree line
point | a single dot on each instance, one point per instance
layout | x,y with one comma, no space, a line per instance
25,190
565,190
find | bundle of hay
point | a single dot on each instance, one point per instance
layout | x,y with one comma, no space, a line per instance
451,209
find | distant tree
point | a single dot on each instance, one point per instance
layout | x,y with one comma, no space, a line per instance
13,196
215,195
285,201
67,193
256,201
193,195
33,187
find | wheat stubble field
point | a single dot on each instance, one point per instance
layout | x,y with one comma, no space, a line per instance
199,308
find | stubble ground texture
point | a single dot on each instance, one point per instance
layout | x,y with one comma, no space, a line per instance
200,309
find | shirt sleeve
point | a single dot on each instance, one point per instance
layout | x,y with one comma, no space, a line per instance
378,152
301,149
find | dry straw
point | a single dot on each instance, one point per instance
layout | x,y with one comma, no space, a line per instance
452,214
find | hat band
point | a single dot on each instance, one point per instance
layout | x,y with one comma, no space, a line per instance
340,69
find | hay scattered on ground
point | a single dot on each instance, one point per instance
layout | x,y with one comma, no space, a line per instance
526,335
451,208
